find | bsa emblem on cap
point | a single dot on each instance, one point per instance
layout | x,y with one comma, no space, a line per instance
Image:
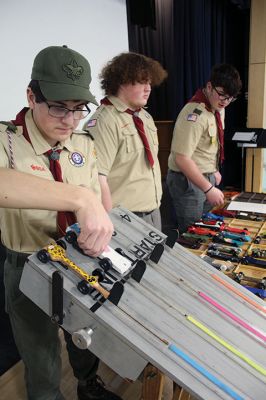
77,159
73,70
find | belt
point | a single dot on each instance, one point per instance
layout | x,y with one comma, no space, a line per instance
16,256
181,173
208,174
142,214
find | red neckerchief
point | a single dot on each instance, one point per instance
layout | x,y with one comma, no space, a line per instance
20,121
64,218
199,97
140,128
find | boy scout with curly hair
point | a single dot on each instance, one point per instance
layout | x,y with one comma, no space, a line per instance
126,137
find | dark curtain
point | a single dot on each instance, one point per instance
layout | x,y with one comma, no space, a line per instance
159,45
199,38
188,38
237,53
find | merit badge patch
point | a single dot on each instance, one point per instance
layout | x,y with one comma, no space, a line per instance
91,123
77,159
192,117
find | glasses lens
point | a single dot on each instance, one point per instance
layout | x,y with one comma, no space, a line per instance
80,114
61,112
222,97
58,112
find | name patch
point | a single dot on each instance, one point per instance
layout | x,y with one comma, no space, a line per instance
37,167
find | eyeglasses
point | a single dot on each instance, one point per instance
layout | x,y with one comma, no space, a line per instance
222,96
61,112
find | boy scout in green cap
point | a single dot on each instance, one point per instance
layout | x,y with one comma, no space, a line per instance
126,138
43,141
197,150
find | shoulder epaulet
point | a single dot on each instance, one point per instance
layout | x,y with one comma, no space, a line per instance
83,132
197,111
9,125
89,134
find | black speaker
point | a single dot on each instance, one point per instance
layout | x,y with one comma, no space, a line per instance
142,13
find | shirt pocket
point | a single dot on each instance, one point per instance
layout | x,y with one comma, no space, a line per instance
153,135
153,138
133,142
212,132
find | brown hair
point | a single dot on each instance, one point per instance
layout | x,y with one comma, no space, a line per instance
227,77
130,68
36,90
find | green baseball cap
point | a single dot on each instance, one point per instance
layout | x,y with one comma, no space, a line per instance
63,74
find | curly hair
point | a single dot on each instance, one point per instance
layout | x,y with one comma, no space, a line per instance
227,77
130,68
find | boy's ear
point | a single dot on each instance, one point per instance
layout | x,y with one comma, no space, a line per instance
31,98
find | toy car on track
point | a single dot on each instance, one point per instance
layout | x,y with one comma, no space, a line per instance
108,259
57,252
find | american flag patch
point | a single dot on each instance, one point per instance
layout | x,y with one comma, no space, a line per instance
192,117
91,123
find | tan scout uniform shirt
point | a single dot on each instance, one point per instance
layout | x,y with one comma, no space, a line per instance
196,136
121,156
29,230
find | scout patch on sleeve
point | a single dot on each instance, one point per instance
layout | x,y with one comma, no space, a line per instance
197,111
91,123
192,117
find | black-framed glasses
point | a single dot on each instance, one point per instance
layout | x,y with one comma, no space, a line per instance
61,112
223,97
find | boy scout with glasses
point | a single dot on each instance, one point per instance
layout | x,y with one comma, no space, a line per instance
43,141
126,138
197,150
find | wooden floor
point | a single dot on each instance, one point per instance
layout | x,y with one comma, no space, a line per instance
12,385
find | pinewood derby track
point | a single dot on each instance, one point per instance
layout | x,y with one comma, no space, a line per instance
195,324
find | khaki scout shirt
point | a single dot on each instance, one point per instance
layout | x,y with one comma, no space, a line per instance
29,230
121,156
196,136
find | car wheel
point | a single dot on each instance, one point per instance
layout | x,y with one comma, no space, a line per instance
62,244
43,256
71,237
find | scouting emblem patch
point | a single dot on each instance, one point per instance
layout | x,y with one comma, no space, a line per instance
77,159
